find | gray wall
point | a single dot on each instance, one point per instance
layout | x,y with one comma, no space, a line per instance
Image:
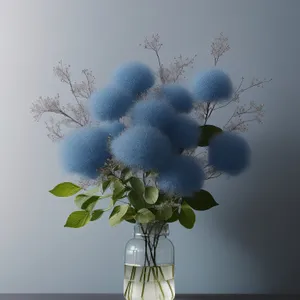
249,244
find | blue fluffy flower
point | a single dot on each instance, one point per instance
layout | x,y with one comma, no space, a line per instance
143,147
135,77
113,128
110,103
84,151
214,85
229,153
184,177
184,132
179,97
155,113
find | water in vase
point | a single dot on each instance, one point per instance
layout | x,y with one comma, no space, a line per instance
149,283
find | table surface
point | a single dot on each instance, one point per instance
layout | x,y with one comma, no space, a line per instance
120,297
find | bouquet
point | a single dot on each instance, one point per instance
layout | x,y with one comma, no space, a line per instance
137,149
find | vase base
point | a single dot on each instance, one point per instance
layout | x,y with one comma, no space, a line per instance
149,283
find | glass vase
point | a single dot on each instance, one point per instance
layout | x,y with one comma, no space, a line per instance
149,263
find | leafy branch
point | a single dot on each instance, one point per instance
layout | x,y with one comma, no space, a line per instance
131,200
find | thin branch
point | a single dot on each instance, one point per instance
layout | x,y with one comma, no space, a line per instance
219,47
50,105
155,45
54,130
77,90
176,69
239,91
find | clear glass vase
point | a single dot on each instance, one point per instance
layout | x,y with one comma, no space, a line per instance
149,264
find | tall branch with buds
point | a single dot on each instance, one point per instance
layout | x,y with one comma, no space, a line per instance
74,114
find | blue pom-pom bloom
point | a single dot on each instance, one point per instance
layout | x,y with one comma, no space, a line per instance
184,177
143,147
110,104
135,77
214,85
229,153
179,97
155,113
84,151
113,128
184,132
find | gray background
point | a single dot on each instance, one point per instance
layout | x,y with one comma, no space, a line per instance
249,244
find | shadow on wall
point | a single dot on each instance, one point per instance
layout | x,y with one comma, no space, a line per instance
266,222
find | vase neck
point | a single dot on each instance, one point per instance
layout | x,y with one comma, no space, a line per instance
151,229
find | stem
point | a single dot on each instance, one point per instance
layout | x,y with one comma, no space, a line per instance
132,275
144,282
150,265
148,242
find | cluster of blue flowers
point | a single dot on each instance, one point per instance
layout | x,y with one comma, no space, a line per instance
160,129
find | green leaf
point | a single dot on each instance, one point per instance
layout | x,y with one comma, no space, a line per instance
93,191
130,214
137,185
81,199
144,215
206,133
133,221
201,200
65,189
78,219
117,214
90,202
110,206
112,178
161,199
151,194
118,190
105,185
174,217
136,200
126,174
164,214
97,214
187,217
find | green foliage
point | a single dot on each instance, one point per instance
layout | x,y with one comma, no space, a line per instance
174,217
137,185
117,214
151,194
78,219
90,203
144,216
130,215
126,174
164,214
207,132
136,200
97,214
118,190
105,185
201,200
86,202
146,203
187,216
65,189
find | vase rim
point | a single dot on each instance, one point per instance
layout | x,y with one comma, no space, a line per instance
152,228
